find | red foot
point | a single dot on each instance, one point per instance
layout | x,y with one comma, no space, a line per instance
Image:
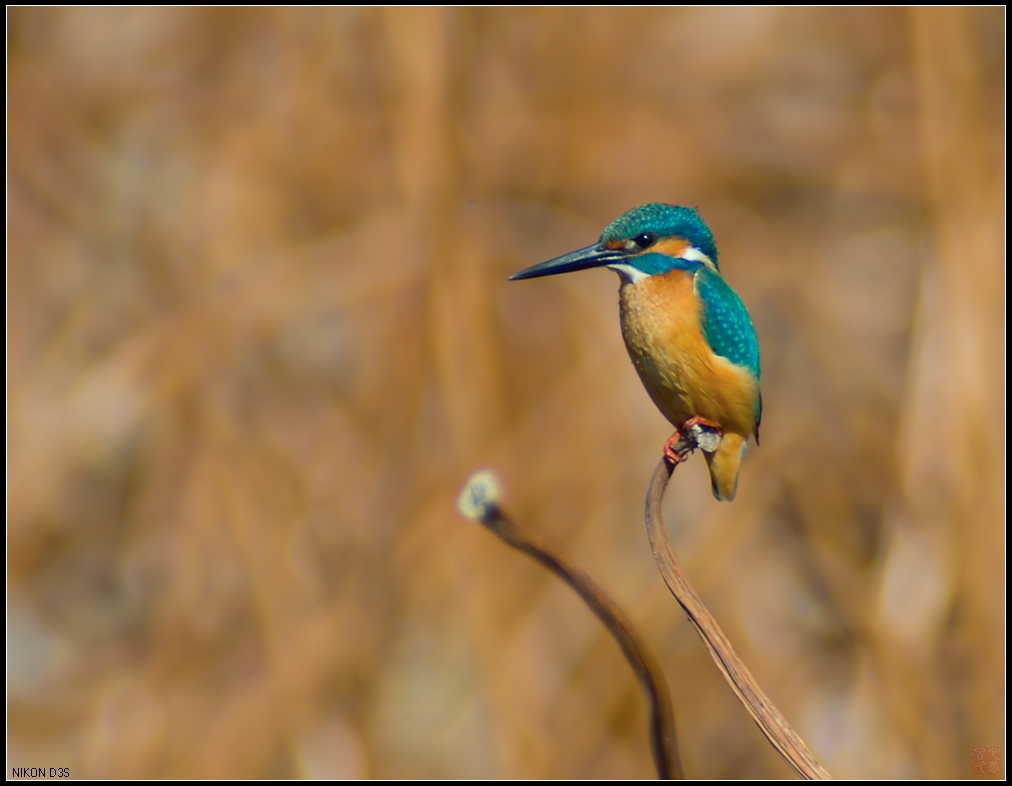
694,421
698,432
675,450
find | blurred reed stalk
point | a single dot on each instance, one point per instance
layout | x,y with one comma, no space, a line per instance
432,57
950,446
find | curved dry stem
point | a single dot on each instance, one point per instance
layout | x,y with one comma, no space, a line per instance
772,724
663,742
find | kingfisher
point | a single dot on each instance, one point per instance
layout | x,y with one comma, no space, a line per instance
688,333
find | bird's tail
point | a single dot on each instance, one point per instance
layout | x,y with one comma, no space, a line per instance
724,463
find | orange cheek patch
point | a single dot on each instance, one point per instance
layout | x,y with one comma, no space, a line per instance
615,245
672,246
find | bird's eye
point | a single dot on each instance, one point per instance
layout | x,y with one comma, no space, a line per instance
645,239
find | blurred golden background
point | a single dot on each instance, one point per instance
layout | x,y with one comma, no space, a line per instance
259,332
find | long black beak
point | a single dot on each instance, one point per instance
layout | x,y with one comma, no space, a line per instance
581,259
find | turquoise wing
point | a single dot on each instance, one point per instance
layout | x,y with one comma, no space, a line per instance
728,326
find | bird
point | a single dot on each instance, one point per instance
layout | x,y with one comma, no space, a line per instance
687,332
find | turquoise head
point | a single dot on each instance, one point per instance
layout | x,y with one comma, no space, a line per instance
647,241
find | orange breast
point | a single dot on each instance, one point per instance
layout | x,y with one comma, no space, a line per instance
662,327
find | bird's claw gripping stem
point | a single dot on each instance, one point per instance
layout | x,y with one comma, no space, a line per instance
695,433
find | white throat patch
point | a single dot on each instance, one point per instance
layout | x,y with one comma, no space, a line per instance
629,273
